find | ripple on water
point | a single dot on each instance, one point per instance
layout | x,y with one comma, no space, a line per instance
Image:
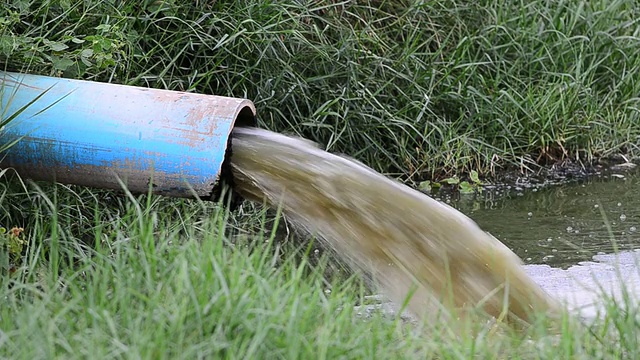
582,219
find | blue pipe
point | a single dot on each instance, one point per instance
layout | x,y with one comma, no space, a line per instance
94,134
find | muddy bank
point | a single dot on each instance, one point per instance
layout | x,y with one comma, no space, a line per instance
560,173
517,181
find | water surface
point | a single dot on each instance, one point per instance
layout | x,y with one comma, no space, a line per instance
566,224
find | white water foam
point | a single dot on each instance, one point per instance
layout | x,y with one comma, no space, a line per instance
587,287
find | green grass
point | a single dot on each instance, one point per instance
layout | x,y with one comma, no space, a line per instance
107,276
419,89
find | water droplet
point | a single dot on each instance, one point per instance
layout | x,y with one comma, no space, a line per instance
529,214
619,204
569,229
632,229
316,251
549,239
596,206
623,217
327,291
528,259
554,250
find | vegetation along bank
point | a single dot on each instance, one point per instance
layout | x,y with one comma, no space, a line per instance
421,90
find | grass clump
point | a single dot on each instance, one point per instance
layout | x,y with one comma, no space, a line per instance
183,280
416,88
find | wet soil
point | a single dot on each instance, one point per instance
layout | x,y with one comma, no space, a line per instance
514,182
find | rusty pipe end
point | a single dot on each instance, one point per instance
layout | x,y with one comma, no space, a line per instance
224,192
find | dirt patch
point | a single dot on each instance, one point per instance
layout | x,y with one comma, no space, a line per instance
513,182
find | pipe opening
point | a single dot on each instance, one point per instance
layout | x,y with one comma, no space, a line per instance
224,190
246,117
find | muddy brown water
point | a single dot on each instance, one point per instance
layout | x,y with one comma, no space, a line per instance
409,242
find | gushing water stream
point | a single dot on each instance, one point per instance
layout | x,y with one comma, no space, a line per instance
408,242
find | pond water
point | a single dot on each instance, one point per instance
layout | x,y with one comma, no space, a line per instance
565,224
568,234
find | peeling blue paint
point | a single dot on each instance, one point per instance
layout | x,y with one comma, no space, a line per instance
90,133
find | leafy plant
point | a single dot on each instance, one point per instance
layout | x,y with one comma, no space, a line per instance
465,187
12,243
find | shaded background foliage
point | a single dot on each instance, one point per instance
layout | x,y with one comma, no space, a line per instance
418,89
